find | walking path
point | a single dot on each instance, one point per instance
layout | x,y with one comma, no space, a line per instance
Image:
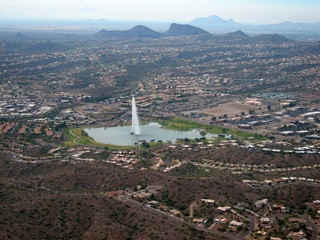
76,137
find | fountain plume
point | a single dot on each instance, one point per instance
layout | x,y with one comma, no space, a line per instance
135,128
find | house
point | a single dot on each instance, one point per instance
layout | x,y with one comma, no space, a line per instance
198,220
268,182
142,195
261,203
293,179
154,203
265,220
277,206
221,220
268,226
234,223
223,209
297,235
174,212
164,208
283,209
316,203
296,220
208,201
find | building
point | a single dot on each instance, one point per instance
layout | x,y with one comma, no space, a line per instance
261,203
198,220
234,223
208,201
223,209
265,220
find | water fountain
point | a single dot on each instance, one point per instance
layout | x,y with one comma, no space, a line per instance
135,127
152,131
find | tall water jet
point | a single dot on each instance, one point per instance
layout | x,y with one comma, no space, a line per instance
135,127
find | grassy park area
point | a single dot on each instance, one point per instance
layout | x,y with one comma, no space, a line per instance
186,125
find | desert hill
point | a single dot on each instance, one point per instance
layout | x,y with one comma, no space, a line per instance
145,32
66,201
136,32
56,200
176,30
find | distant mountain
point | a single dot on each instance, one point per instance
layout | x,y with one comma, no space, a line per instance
291,27
176,30
20,36
215,22
142,32
238,35
108,34
136,32
145,32
271,38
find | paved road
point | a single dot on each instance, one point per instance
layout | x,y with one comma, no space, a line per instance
191,209
252,219
315,232
239,215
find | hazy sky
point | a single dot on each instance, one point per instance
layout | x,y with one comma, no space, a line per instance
243,11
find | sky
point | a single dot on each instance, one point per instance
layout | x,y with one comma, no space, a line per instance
181,11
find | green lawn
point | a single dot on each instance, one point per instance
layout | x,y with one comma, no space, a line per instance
186,125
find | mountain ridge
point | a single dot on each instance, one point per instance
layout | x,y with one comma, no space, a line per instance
178,30
216,22
141,31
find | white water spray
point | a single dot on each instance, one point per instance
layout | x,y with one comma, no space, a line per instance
135,128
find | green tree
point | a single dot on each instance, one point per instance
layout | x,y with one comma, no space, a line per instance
269,107
252,111
203,133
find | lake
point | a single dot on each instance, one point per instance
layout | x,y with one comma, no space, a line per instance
121,136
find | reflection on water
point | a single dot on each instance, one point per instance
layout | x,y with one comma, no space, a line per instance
151,132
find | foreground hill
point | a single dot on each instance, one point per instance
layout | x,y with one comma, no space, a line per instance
62,200
67,201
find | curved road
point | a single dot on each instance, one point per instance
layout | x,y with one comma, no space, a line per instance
315,232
